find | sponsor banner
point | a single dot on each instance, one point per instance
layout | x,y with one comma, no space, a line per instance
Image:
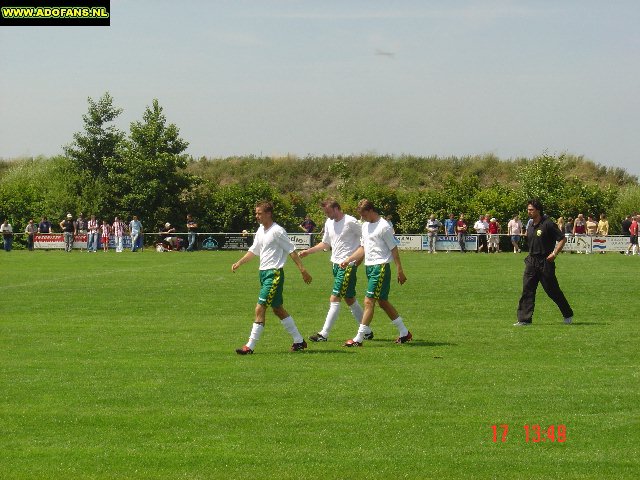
300,240
53,241
578,243
409,242
450,242
609,244
228,241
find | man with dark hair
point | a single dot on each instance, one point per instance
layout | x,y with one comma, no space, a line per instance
342,234
272,245
377,247
545,243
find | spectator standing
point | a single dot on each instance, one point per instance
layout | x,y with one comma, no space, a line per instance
481,227
118,233
44,226
68,227
633,235
568,228
591,226
450,225
494,235
135,227
106,233
514,229
579,232
603,226
7,235
92,237
82,226
308,226
192,228
626,225
461,230
433,227
31,229
545,243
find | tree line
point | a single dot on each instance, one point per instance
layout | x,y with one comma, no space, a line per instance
108,172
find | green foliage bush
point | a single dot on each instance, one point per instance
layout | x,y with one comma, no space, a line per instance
106,173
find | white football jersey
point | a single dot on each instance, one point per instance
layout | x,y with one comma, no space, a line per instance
343,236
272,246
378,241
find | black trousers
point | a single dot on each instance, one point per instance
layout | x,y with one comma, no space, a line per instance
539,270
482,242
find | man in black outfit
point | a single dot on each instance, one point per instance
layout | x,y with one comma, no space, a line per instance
542,235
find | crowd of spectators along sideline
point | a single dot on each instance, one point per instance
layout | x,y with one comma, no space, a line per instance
488,231
487,228
99,234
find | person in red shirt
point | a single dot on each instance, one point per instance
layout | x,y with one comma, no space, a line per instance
461,230
633,235
494,237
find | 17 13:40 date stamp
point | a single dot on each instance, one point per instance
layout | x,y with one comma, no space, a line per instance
532,433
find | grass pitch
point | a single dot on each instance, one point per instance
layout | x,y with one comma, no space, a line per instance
123,366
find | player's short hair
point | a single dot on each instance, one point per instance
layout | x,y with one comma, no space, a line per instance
330,202
365,205
265,205
537,204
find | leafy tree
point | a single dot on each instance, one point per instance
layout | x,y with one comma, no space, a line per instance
100,139
147,172
543,178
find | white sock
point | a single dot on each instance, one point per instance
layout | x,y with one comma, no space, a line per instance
290,326
402,330
332,315
356,311
256,331
362,330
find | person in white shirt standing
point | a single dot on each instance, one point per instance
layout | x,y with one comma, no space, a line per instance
272,245
377,247
342,234
481,227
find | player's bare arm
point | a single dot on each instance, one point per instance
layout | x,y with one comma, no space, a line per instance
296,259
396,259
316,248
247,256
356,256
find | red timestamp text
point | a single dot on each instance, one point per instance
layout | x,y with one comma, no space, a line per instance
532,433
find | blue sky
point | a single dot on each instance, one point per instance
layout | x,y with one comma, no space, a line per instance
513,78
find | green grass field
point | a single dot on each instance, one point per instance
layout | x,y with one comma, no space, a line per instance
123,366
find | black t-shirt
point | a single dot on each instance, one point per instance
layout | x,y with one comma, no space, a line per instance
67,226
626,223
542,237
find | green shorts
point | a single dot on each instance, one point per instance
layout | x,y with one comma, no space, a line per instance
344,281
271,286
379,277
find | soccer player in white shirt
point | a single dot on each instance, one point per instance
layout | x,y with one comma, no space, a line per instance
273,246
342,233
378,247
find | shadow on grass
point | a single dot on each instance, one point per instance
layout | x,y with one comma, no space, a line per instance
424,343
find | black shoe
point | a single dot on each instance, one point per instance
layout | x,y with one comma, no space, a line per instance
405,339
368,336
244,351
318,338
522,324
352,343
296,347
